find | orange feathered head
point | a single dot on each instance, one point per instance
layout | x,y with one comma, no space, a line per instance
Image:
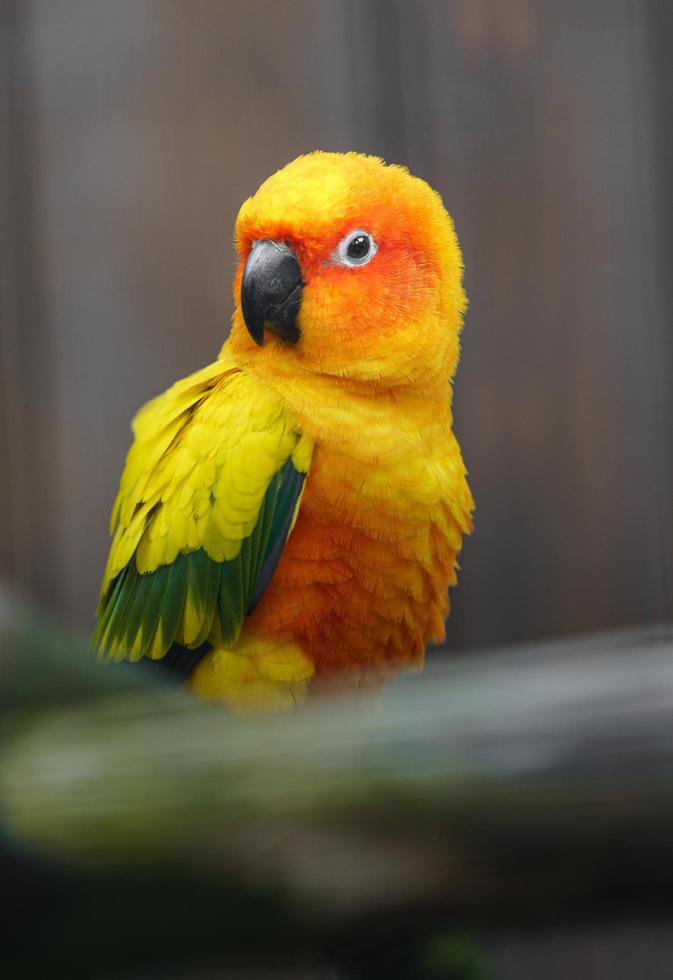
350,268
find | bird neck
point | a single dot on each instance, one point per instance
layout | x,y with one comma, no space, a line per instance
364,418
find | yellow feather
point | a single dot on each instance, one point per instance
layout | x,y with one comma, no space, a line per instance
255,674
192,621
196,475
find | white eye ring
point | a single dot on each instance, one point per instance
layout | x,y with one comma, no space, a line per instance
346,252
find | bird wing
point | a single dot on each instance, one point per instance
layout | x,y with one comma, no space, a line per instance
208,497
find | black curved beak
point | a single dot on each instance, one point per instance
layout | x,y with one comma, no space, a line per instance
271,291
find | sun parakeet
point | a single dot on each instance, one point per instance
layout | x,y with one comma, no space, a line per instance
291,514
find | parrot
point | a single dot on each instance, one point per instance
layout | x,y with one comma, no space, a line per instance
289,517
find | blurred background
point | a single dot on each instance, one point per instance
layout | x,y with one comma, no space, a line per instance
131,133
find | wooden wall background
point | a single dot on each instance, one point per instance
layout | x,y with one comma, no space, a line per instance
132,130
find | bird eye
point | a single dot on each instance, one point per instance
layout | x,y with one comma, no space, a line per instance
357,248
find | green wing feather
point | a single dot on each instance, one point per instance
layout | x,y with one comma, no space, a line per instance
209,494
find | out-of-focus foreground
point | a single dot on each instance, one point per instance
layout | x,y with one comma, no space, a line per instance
496,797
132,132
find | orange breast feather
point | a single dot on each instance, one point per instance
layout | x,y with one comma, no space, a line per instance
363,581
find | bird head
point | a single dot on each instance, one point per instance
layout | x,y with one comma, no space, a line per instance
351,268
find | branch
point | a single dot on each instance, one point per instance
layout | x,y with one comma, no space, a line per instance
519,783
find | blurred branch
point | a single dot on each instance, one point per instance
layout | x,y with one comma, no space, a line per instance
42,665
518,784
